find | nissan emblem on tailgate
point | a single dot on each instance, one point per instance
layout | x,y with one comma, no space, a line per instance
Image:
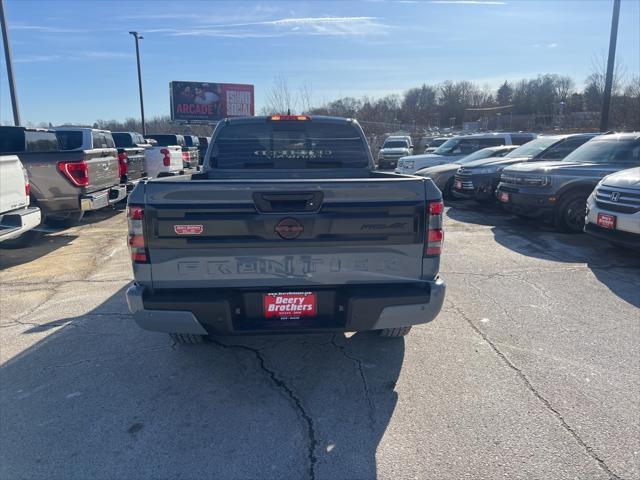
289,228
188,229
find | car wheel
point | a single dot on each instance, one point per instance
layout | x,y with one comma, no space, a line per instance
64,220
22,241
394,332
186,338
571,212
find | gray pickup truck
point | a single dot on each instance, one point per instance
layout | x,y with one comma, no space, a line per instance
65,184
289,228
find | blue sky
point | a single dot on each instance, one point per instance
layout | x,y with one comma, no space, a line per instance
74,60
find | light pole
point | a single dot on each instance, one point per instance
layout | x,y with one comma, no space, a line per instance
608,85
7,56
138,37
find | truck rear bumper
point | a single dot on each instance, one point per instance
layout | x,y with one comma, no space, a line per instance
13,224
103,198
340,309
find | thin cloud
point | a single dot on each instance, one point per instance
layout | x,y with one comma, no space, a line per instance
327,26
45,29
552,45
78,56
36,58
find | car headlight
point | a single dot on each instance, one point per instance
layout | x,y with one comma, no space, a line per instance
537,180
408,164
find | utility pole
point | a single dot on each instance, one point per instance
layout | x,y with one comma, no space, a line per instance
608,85
9,61
138,37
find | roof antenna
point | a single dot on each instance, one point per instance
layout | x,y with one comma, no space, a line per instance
288,111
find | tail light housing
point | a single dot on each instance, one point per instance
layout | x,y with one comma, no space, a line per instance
76,172
185,156
435,232
136,240
123,164
27,185
166,159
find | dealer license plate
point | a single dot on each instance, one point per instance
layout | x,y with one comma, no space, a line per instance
504,197
290,305
607,221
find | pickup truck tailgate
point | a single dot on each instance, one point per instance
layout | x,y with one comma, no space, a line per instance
252,233
103,168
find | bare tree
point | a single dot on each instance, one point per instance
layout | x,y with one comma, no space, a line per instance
305,97
280,98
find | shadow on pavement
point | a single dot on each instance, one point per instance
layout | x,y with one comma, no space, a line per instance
615,267
39,248
100,398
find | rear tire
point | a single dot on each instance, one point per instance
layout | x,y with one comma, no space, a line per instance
186,338
394,332
571,212
65,220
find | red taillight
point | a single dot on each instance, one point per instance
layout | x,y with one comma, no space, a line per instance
123,164
166,159
76,172
27,185
435,233
137,243
436,208
185,156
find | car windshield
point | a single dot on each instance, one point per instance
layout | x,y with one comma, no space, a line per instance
480,154
533,148
607,150
437,142
447,146
395,144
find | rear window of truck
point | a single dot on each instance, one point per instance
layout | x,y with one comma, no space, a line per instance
123,140
168,140
289,145
41,141
69,140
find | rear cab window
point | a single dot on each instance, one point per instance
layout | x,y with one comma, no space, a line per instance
124,140
69,139
41,141
265,145
168,140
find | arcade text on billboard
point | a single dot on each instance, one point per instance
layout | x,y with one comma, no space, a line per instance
210,102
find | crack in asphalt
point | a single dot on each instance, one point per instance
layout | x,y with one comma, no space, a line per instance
365,386
538,395
100,247
281,384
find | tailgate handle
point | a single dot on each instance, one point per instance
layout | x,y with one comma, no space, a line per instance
288,202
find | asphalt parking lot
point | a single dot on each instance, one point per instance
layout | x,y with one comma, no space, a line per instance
531,371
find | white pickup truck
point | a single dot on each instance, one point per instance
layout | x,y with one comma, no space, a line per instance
17,218
163,160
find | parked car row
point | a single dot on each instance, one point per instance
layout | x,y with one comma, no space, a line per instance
584,181
57,175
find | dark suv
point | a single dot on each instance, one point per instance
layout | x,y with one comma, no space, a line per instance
479,179
559,190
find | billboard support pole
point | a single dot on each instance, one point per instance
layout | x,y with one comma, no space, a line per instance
9,61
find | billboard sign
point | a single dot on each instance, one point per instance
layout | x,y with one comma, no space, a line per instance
210,102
